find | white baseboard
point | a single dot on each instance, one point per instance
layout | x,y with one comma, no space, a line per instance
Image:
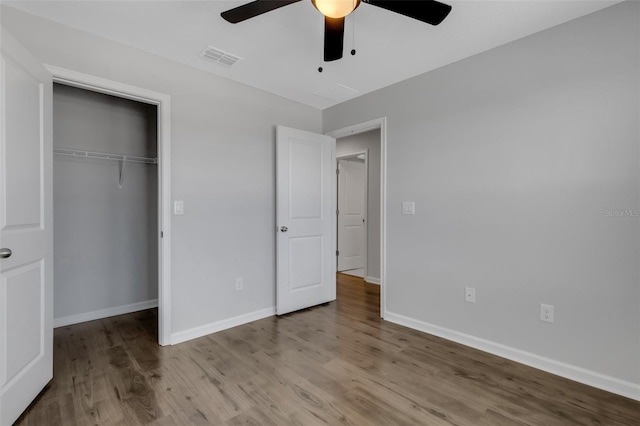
578,374
214,327
104,313
372,280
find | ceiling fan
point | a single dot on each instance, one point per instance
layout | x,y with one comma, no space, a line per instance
334,11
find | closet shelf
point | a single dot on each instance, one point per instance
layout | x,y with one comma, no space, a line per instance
121,159
104,156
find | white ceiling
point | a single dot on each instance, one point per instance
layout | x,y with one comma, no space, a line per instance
282,49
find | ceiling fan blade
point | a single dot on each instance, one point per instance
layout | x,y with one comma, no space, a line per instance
333,38
429,11
253,9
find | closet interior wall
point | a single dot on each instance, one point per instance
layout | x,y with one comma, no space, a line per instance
105,236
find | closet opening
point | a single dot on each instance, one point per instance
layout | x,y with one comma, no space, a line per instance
107,206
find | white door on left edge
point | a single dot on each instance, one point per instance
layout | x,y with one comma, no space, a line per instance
26,238
305,219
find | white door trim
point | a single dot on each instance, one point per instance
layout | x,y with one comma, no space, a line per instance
378,123
163,102
366,201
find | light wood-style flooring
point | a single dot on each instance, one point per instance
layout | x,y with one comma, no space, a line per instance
329,365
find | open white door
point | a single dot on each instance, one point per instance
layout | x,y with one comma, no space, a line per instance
305,219
351,213
26,238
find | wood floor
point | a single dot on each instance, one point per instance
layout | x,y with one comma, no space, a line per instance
329,365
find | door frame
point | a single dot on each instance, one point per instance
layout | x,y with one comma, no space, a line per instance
381,124
366,202
163,103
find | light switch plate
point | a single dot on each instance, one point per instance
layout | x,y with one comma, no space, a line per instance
408,207
178,208
470,294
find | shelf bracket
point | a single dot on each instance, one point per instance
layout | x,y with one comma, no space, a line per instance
121,163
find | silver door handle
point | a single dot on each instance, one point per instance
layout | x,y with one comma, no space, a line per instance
5,252
284,229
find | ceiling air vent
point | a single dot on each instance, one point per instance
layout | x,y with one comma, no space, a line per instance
220,56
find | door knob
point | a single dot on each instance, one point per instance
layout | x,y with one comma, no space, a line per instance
284,229
5,252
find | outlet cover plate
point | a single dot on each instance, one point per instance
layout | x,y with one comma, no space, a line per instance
546,313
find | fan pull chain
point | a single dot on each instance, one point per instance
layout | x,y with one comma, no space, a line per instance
321,55
353,34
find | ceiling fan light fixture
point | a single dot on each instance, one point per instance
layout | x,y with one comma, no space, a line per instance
336,8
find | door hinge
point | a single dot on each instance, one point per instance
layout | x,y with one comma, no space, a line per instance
161,234
337,171
337,253
337,212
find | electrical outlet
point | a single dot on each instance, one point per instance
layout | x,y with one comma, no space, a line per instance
546,313
239,284
470,294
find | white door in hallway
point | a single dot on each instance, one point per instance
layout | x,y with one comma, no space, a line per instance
351,213
26,238
305,219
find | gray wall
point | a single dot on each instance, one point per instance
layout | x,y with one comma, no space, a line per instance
360,142
222,160
513,158
105,237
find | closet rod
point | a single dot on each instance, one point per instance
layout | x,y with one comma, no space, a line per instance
104,156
